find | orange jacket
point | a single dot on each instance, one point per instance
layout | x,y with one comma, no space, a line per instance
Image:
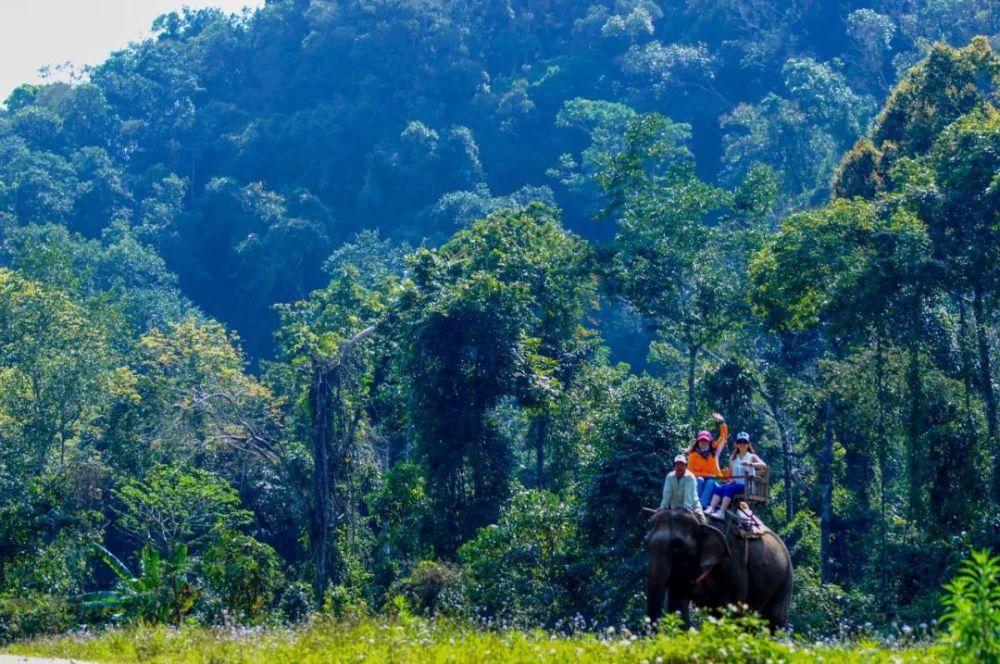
708,466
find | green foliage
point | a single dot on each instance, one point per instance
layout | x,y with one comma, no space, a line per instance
50,399
800,134
162,591
346,599
405,403
237,579
176,135
521,570
59,568
28,616
948,84
802,537
838,265
606,124
175,508
972,609
820,609
296,602
432,589
487,317
669,263
636,439
246,577
402,511
410,639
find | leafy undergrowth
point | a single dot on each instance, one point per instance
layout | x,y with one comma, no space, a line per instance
408,639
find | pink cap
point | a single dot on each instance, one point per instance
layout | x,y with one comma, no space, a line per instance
704,435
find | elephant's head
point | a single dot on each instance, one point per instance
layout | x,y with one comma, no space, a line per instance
681,547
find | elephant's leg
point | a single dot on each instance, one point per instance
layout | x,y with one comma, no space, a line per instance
656,589
678,603
770,593
775,612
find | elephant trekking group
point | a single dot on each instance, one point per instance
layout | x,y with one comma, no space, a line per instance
706,545
700,485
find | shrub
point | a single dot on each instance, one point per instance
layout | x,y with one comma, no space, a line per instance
432,588
244,574
296,602
826,608
58,568
518,569
33,615
972,609
349,597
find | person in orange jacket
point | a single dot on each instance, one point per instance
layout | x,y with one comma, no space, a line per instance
703,459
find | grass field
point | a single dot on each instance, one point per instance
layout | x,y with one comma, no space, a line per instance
410,639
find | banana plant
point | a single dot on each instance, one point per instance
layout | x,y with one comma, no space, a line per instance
160,591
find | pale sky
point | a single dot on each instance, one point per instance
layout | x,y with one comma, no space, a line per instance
36,33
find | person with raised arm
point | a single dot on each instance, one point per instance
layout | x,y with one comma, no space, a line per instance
743,463
703,459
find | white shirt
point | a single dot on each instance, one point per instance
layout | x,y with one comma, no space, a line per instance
739,466
680,492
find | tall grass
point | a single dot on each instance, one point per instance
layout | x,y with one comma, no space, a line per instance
408,639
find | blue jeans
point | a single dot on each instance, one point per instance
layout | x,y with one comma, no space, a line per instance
731,489
705,487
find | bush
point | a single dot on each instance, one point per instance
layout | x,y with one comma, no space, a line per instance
349,597
972,609
296,602
58,568
164,588
432,588
826,608
519,569
244,574
33,615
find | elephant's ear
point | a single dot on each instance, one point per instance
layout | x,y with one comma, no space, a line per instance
713,547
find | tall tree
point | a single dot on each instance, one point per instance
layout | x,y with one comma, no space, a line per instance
493,315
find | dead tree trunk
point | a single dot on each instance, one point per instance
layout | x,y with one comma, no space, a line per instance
323,481
332,432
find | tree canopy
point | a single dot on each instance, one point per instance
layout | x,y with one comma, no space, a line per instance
332,303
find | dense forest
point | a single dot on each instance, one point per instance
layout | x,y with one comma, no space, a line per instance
335,302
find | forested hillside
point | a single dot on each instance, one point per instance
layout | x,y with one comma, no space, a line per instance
324,304
246,149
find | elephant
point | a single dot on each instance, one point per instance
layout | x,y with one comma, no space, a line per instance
690,560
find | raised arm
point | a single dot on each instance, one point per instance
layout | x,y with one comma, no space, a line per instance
720,442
